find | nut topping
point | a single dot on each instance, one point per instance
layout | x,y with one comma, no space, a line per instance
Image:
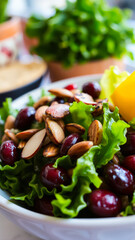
11,135
79,149
42,101
57,111
61,92
75,128
40,113
54,131
21,144
95,132
50,150
9,124
27,134
85,98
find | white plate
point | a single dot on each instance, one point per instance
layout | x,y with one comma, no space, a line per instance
51,228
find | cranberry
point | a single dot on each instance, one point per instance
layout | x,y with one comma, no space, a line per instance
92,88
53,177
119,179
71,100
59,100
44,206
129,147
9,152
69,142
25,118
104,203
129,163
71,87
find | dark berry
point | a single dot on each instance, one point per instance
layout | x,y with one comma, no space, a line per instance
59,100
129,147
92,88
53,177
104,203
71,87
69,142
129,163
119,179
9,152
44,206
25,118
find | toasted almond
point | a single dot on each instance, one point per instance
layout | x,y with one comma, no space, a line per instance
85,98
61,92
40,113
75,128
46,141
54,103
51,150
4,138
33,144
27,134
57,111
21,144
75,91
115,160
61,123
79,149
42,101
111,107
95,132
11,135
9,124
54,131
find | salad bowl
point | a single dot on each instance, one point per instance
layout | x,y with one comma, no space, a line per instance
53,228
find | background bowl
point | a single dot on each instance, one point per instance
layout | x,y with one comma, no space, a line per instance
51,228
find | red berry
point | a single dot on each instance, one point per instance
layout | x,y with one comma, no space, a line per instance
69,142
53,177
119,179
129,147
44,206
71,87
104,203
92,88
129,163
25,118
9,152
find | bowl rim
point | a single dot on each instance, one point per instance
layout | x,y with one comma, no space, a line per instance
84,223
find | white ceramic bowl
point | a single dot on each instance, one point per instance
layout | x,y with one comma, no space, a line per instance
51,228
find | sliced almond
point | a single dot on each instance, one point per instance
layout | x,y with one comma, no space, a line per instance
42,101
75,91
51,150
85,98
4,138
21,144
99,108
111,107
40,113
79,149
27,134
54,103
11,135
95,132
61,123
54,131
46,141
33,144
9,124
57,111
115,160
61,92
75,128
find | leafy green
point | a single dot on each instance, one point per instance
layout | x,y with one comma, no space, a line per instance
84,30
132,123
130,209
111,79
3,6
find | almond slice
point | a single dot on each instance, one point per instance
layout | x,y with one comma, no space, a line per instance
11,135
40,113
51,150
21,144
75,128
79,149
4,138
46,141
95,132
42,101
57,111
85,98
61,92
54,131
9,124
33,144
27,134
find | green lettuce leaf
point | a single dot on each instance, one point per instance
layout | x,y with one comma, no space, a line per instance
81,113
111,79
132,123
130,209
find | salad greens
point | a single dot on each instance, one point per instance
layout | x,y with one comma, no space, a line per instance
3,6
111,79
84,30
132,123
130,209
